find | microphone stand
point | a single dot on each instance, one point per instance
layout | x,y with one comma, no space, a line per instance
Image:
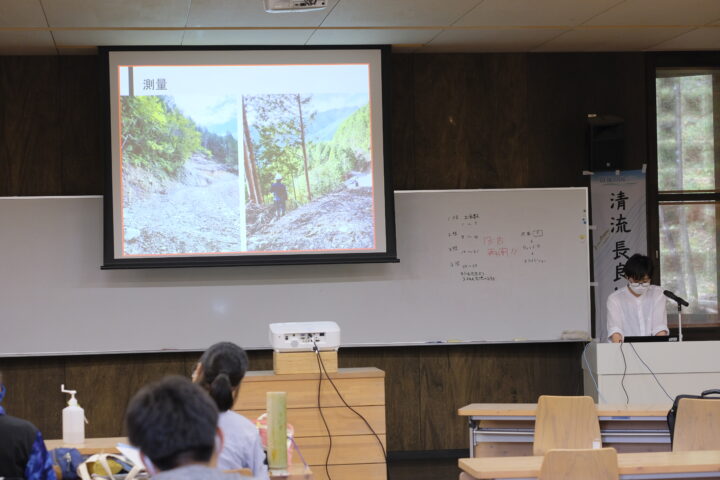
680,336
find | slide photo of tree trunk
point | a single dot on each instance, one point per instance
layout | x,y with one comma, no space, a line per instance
308,167
181,191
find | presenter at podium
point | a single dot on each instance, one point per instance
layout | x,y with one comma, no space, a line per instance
639,308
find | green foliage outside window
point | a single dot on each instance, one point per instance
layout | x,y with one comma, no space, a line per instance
685,138
686,163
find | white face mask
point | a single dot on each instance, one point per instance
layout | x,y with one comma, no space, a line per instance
639,288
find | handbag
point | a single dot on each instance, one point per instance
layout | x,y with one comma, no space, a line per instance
672,414
107,465
66,462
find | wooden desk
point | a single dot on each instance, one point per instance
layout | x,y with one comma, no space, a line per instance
356,453
507,429
108,445
631,465
91,446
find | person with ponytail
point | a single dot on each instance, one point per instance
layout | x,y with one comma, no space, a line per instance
219,371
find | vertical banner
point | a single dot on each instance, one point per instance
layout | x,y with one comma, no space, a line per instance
618,214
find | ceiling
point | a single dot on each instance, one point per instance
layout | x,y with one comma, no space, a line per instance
71,27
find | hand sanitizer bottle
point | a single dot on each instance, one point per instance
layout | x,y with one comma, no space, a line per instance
73,420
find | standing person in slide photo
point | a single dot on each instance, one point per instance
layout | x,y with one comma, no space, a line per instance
279,191
639,308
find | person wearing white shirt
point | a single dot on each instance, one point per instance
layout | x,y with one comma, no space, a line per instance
242,445
219,371
639,308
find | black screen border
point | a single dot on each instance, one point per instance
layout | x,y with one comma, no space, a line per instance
109,260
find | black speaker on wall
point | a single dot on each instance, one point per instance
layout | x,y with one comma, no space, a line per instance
606,142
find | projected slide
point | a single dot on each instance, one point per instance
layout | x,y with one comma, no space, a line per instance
245,159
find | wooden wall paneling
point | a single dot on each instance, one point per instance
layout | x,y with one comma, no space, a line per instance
402,388
438,399
190,360
470,129
33,391
402,122
105,384
457,375
563,89
468,374
30,139
555,369
259,359
81,125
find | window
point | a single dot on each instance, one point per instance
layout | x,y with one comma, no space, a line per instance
687,119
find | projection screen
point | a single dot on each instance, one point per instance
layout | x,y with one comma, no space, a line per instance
232,156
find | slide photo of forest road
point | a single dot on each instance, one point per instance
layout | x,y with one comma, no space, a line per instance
307,170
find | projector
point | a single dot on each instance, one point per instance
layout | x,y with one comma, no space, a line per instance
279,6
299,336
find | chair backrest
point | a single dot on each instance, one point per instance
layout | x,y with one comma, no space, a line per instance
565,422
697,426
588,464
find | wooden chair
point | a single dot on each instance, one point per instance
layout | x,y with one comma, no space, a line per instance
697,426
599,464
565,422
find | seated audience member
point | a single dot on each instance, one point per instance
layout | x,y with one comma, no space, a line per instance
22,448
219,371
639,308
174,425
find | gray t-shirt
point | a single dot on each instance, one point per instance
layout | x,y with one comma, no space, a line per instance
198,472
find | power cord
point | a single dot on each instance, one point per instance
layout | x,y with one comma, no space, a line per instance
323,370
589,370
322,415
652,373
622,380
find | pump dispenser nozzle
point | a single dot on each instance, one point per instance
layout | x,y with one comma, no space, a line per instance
73,401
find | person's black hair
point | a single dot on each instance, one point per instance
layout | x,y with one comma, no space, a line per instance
637,267
223,368
173,422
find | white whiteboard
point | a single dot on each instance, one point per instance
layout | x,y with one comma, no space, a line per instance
527,257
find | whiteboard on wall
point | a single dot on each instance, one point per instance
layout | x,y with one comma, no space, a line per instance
475,266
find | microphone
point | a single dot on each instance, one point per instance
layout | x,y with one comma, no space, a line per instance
674,297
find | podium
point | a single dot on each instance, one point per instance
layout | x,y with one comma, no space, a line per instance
355,452
681,367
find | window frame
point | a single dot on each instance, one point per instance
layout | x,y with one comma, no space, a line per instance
653,62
